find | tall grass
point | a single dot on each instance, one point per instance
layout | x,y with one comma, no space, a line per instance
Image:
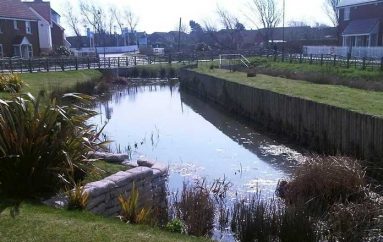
43,146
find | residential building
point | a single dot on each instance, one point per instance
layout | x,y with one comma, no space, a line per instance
51,33
19,35
360,23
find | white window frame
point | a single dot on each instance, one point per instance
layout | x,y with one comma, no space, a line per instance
346,13
15,25
28,28
1,51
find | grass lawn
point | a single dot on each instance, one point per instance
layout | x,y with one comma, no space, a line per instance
40,223
54,81
362,101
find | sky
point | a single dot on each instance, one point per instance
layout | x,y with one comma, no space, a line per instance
163,15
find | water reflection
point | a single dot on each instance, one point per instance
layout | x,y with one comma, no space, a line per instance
195,138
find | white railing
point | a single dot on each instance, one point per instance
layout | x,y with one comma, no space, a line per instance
230,59
356,52
107,50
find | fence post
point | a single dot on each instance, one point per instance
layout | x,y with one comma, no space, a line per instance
321,59
311,59
76,63
275,56
30,65
364,63
118,61
170,59
348,61
334,60
300,58
88,62
135,60
11,65
109,61
381,64
47,64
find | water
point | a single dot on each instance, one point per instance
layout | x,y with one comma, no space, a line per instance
196,138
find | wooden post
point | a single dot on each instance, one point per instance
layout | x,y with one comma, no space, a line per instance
364,63
76,62
321,59
300,58
334,60
118,61
311,59
11,65
135,60
348,61
88,62
381,64
30,65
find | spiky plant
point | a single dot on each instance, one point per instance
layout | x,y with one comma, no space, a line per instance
43,145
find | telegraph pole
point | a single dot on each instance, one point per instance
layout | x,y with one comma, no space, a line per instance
179,35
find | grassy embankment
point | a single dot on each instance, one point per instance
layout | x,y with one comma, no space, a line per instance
362,101
322,74
40,223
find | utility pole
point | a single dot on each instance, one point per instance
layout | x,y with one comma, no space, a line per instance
179,36
283,31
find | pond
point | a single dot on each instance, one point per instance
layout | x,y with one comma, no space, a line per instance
195,138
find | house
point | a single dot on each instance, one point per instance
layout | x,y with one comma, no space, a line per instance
19,35
51,33
360,23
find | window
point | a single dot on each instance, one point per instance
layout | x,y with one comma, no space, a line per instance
15,25
346,14
28,28
1,51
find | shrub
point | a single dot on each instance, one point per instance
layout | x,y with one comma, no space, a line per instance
11,83
172,72
130,213
77,198
42,146
162,72
323,181
176,226
196,208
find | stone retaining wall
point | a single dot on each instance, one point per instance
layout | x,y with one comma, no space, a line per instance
149,178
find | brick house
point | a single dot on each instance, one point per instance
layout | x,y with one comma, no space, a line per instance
51,33
18,30
360,23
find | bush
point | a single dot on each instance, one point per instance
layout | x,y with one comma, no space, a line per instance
11,83
42,146
176,226
323,181
196,208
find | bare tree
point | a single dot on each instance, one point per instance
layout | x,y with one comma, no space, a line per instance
265,13
73,22
330,7
94,16
232,26
131,19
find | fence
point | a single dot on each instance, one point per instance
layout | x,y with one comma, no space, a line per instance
11,65
355,52
330,60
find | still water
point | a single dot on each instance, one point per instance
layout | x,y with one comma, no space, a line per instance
195,138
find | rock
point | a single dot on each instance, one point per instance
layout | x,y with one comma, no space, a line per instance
251,72
110,157
146,163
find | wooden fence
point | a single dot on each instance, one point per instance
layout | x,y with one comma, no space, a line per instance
324,128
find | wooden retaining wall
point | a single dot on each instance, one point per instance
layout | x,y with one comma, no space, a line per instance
324,128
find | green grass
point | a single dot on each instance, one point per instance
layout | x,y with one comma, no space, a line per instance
54,81
362,101
103,169
40,223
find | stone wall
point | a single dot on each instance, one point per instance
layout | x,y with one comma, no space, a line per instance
149,178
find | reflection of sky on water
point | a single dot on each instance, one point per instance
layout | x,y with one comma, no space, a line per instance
195,138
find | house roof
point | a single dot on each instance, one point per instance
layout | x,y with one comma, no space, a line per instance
16,9
344,3
360,27
42,8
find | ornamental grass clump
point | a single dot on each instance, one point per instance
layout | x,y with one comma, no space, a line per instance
323,181
43,145
11,83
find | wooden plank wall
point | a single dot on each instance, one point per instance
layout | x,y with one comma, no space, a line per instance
323,128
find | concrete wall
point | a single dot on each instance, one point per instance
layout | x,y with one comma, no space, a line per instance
324,128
